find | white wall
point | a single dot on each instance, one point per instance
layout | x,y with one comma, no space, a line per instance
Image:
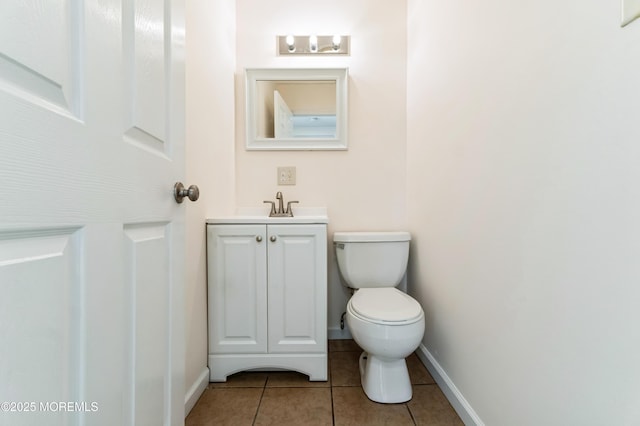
523,171
210,67
364,187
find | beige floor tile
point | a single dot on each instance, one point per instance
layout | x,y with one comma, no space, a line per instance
418,372
343,345
292,379
430,407
295,406
243,380
219,407
344,368
352,407
288,398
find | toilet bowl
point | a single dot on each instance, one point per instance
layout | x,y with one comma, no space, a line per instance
387,336
385,322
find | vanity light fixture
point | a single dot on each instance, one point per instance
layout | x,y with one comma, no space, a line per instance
313,44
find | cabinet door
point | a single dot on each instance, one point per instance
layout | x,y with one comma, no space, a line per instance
297,288
237,262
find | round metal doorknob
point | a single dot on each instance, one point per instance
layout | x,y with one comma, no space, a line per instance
179,192
273,238
259,238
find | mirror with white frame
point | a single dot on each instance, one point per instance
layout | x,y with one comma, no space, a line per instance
296,109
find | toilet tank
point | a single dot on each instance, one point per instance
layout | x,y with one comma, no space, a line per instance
372,259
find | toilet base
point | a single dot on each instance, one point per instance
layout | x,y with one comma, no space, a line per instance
385,381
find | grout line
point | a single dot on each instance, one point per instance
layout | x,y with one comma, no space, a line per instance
330,375
255,417
333,414
411,414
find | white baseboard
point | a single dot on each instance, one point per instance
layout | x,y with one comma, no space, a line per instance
196,389
335,333
459,403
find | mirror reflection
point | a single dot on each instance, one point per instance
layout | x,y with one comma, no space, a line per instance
296,109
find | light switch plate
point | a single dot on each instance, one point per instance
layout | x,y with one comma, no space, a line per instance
286,175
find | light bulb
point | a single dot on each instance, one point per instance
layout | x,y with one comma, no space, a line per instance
313,44
335,42
291,43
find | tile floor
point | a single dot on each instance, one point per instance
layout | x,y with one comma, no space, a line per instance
288,398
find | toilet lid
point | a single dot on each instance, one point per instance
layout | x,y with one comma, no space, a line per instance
385,305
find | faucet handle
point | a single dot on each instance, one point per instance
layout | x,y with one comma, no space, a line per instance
289,211
273,207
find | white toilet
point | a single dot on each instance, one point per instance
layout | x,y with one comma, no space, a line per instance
387,323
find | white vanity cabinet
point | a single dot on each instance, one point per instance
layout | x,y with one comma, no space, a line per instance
267,298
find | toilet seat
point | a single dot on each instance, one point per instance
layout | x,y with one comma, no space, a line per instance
386,306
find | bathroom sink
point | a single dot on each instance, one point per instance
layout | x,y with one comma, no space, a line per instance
261,215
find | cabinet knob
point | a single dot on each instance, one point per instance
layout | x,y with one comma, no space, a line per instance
273,238
259,238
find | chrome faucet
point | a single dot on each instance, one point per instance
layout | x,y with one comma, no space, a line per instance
281,212
280,202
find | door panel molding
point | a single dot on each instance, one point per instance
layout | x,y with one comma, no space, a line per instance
42,283
44,72
147,56
147,264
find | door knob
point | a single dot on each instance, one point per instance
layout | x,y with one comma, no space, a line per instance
273,238
179,192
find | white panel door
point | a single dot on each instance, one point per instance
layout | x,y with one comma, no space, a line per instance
282,117
91,240
297,288
237,269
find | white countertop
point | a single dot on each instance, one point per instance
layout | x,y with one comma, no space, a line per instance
301,215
